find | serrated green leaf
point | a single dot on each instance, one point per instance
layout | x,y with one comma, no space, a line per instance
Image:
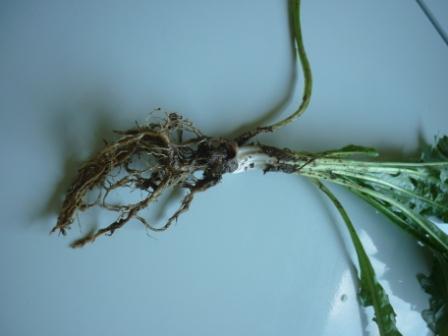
437,152
371,292
406,192
442,147
436,285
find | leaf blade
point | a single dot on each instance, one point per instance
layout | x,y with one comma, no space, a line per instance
351,150
371,292
436,285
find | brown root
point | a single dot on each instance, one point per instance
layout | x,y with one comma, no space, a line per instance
151,158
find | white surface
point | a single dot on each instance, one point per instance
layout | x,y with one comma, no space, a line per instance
256,255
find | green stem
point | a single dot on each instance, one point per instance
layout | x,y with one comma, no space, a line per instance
308,78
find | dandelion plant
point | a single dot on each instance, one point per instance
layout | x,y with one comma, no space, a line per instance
172,153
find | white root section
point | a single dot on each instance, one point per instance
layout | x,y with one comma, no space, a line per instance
251,158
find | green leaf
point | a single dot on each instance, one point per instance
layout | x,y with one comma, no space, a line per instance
421,187
437,152
350,150
442,147
436,285
398,219
423,229
371,292
406,192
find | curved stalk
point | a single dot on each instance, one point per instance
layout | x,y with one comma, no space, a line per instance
307,74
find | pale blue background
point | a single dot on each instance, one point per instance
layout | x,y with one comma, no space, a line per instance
256,255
